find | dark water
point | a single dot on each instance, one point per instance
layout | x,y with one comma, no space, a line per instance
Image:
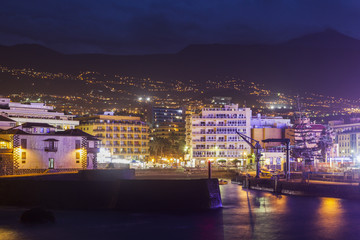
245,215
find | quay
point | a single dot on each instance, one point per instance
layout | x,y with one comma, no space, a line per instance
312,188
109,189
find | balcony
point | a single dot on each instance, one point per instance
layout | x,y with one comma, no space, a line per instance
99,130
6,150
51,149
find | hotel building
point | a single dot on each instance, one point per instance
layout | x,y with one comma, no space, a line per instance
123,137
211,135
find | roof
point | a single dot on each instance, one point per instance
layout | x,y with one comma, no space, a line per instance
5,119
76,132
349,131
310,127
51,140
13,131
31,124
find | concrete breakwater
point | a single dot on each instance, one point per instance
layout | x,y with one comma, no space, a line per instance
315,189
69,191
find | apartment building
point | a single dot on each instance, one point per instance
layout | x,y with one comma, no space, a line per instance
123,137
211,135
349,143
36,113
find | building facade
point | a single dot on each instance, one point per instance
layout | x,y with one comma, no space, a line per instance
123,137
6,123
211,135
349,143
36,113
24,152
163,115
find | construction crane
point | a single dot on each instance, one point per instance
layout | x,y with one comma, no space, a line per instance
257,149
287,142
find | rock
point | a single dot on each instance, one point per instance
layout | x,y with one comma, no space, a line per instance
36,216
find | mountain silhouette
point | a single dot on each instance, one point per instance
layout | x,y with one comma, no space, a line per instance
324,62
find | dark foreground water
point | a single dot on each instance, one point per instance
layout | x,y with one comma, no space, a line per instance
245,215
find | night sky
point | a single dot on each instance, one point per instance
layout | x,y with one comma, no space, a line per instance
167,26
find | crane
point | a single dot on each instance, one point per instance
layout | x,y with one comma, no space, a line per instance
287,142
256,147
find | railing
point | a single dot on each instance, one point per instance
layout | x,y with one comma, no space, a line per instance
51,149
5,150
99,130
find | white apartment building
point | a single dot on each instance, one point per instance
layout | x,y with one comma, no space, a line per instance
36,113
211,135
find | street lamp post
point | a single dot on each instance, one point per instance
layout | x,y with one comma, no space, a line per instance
209,169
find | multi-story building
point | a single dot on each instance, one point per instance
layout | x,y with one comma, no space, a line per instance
169,130
349,143
259,121
123,137
24,150
341,126
36,113
167,115
347,135
211,135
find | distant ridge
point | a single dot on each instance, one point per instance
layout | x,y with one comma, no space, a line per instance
325,62
329,38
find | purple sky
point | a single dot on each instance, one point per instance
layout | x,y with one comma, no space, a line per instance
166,26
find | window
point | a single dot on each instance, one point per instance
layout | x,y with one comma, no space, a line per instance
77,144
23,143
23,155
77,155
51,145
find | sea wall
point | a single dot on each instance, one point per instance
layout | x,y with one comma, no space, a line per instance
124,195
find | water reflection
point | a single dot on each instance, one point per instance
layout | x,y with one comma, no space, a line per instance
246,214
330,217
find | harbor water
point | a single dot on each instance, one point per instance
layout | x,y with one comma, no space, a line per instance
246,214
